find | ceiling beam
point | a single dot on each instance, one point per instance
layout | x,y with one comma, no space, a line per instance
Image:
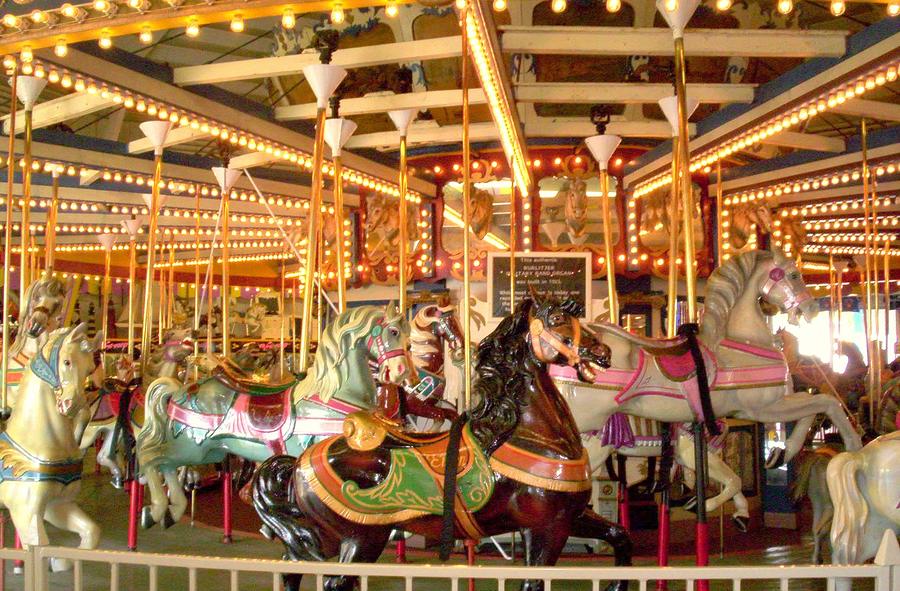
217,110
178,135
352,57
807,141
382,103
59,110
251,160
657,41
877,110
580,128
628,92
424,134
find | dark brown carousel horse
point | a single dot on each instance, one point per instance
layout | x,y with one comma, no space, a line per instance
516,463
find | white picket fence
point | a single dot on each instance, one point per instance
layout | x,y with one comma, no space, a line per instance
136,571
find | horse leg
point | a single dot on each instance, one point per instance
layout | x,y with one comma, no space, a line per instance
69,516
591,525
159,502
722,473
795,442
108,457
177,499
544,549
366,547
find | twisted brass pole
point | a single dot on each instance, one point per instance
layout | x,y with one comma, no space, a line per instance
7,244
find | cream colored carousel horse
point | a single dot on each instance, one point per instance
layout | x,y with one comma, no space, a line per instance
40,461
865,491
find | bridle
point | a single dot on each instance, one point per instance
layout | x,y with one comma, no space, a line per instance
171,347
539,334
792,300
375,341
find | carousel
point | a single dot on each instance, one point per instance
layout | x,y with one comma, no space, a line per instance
415,294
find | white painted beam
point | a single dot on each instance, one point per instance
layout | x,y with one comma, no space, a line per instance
628,92
59,110
179,135
251,160
352,57
870,109
807,141
657,41
478,132
432,99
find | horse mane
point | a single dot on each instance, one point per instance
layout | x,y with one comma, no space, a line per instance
46,283
502,379
723,288
338,339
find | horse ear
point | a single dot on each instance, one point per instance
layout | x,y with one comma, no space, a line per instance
391,311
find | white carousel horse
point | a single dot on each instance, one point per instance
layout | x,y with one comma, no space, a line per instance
865,491
747,376
40,461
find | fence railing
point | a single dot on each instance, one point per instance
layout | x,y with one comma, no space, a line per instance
136,571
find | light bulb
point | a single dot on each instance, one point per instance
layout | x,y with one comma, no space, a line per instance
671,5
237,23
38,16
11,21
838,7
105,42
558,6
61,49
101,5
68,10
499,5
613,5
461,4
893,8
288,20
192,29
337,13
146,36
391,9
785,6
723,5
26,55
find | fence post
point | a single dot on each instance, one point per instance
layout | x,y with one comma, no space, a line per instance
33,575
888,556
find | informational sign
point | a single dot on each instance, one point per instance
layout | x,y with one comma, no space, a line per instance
560,275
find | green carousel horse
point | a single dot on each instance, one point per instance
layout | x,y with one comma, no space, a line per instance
228,413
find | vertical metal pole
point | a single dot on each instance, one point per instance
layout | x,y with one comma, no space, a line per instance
104,305
147,323
887,294
282,308
132,267
294,291
513,241
210,301
24,260
674,225
311,233
226,274
173,287
687,193
320,282
833,290
404,231
197,301
608,248
50,241
7,243
872,384
339,233
719,216
162,295
467,190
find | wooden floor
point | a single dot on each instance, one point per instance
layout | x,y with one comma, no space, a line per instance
109,507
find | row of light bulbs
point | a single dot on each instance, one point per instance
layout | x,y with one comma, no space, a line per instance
849,250
826,207
837,237
826,100
885,221
838,7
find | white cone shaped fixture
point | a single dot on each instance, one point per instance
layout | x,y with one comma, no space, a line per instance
324,80
337,131
106,241
669,106
226,177
677,19
402,118
148,199
132,226
28,89
602,147
156,132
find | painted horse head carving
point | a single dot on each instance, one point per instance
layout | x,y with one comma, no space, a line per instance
784,288
63,363
387,345
43,304
576,206
442,323
555,336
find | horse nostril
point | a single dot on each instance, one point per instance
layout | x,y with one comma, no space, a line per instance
401,368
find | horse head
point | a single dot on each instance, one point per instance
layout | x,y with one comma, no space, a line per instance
64,363
783,287
576,206
388,347
178,344
556,336
446,326
43,303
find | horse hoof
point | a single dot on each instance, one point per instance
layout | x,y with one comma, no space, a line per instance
691,505
168,520
118,482
741,523
147,520
775,459
266,532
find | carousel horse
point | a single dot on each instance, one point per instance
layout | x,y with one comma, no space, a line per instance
432,328
229,412
576,211
107,420
39,316
865,491
746,375
515,463
40,461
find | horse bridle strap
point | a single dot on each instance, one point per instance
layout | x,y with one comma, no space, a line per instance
540,334
376,339
776,276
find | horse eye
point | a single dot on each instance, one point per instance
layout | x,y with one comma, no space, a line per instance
394,331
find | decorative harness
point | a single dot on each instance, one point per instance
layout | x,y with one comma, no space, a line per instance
48,369
793,300
539,334
376,340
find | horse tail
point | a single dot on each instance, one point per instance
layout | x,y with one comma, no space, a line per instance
151,440
850,508
273,499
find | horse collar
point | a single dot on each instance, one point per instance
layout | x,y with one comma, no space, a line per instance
48,369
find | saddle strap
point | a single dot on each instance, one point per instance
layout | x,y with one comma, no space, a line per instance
689,331
451,466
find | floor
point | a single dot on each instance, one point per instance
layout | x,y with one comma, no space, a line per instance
109,507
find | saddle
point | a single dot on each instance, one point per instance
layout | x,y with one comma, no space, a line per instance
365,431
234,378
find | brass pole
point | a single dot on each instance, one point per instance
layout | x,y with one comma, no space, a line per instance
7,243
513,242
687,193
226,274
608,248
104,305
210,302
467,173
872,384
320,263
831,312
283,309
719,216
674,225
132,266
50,241
311,233
147,322
24,262
294,290
172,287
404,231
339,233
887,292
196,281
162,297
840,308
